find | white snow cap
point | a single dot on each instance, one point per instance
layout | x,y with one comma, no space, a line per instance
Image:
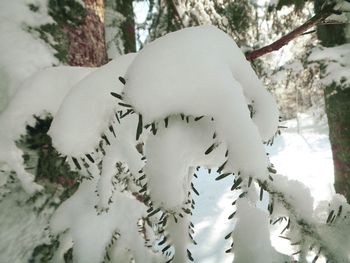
181,73
40,94
87,110
91,233
342,5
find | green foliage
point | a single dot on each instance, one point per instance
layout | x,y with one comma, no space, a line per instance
298,4
66,12
33,7
53,173
238,15
43,253
42,158
125,7
329,35
60,43
53,35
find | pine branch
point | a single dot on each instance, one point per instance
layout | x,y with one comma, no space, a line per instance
305,227
313,21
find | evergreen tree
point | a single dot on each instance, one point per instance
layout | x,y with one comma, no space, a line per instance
83,44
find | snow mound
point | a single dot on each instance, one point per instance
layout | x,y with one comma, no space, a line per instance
211,78
22,53
251,235
88,108
91,233
172,153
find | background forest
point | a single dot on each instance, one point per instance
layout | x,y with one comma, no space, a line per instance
308,78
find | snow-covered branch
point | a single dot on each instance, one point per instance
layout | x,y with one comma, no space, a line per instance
180,103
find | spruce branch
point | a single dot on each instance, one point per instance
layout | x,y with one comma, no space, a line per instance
305,227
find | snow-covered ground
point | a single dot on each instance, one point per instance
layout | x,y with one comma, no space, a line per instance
304,156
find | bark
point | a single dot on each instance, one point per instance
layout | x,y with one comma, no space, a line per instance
87,46
337,100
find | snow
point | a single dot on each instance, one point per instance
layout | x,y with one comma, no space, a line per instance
213,80
303,157
21,228
210,218
122,149
87,109
306,156
172,152
78,216
297,194
213,206
19,47
86,112
337,59
38,95
219,83
342,5
251,240
23,54
44,93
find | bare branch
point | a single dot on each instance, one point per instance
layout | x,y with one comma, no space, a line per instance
315,20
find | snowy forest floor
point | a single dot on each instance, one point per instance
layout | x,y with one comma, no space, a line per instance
302,153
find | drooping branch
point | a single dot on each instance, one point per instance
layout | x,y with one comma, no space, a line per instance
315,20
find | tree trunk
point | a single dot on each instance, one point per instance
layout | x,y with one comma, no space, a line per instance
87,46
337,100
338,112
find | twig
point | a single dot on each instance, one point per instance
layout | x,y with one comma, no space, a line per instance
308,32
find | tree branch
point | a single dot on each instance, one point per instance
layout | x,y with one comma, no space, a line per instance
315,20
